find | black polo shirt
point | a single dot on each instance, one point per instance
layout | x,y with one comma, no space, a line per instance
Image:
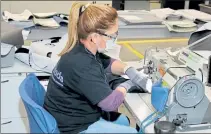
77,84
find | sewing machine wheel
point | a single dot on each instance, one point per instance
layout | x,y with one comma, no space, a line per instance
189,92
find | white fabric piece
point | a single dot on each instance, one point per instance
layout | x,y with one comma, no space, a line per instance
24,16
36,61
25,34
139,17
181,26
47,22
149,85
41,47
59,47
45,46
5,48
194,14
131,18
166,14
206,26
45,15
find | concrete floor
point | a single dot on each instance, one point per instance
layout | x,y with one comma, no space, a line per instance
127,55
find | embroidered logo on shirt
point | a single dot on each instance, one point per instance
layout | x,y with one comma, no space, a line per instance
57,77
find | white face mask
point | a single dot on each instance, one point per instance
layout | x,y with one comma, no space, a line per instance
101,50
109,44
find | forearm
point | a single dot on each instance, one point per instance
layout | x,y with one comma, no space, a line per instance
115,99
112,102
117,67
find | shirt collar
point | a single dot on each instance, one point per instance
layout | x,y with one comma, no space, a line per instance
83,49
86,50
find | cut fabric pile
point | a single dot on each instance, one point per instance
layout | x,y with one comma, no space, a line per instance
48,20
181,26
139,18
166,14
181,20
194,15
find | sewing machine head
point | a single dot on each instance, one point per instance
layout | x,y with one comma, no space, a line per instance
189,100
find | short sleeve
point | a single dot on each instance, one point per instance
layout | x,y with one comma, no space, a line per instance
92,83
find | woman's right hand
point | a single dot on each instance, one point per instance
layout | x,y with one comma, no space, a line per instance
140,79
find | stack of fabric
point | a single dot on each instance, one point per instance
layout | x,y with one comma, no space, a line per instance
194,15
138,17
181,26
166,14
45,33
28,19
175,22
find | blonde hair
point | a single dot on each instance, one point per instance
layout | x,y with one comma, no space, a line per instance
95,17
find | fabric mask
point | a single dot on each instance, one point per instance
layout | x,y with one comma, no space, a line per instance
110,43
100,50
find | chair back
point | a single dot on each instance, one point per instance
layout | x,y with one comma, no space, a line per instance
32,94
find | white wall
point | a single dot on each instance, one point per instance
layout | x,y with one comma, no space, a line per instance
40,6
64,6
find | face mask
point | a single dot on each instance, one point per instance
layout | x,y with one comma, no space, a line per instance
110,43
100,50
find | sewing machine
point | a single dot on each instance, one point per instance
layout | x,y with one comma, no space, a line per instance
185,74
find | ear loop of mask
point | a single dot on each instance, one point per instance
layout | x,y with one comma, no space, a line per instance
100,50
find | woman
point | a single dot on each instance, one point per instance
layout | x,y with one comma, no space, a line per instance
78,93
